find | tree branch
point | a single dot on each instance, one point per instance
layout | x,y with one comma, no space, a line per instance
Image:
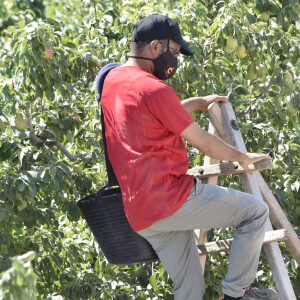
67,153
46,142
273,79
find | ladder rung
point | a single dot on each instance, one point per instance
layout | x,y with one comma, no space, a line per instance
228,168
224,245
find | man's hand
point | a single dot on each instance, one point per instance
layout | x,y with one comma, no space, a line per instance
206,100
201,103
251,158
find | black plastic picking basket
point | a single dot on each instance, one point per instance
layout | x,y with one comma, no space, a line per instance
104,213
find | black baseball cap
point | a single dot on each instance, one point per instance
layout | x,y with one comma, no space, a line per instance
158,27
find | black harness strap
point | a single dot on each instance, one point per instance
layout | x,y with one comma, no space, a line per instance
112,179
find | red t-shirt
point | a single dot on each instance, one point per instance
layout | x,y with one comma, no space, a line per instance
143,122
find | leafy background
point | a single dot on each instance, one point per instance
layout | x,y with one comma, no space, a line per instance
50,53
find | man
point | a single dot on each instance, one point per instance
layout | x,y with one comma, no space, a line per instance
145,123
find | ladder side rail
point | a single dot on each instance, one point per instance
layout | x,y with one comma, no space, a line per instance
250,185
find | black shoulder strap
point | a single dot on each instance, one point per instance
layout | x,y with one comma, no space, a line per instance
112,179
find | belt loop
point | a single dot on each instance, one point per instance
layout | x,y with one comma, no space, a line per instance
196,184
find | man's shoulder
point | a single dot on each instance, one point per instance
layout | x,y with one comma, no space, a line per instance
136,73
144,84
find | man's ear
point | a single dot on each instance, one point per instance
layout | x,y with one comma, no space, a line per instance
154,47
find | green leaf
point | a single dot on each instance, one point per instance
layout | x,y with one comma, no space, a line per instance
69,43
21,186
65,168
251,18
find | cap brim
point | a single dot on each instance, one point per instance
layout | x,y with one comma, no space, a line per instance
185,49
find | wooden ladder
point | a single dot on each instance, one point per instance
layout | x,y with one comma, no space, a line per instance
223,123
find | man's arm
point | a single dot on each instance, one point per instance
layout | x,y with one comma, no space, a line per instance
201,103
214,147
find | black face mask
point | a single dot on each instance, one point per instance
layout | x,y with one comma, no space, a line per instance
165,65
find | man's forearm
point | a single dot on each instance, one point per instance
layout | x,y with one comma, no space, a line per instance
192,104
218,149
201,103
214,147
211,145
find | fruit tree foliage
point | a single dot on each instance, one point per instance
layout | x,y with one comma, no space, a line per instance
50,134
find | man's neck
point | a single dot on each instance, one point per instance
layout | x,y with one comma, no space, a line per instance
146,65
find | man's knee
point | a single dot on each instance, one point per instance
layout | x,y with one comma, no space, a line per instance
264,208
256,212
260,211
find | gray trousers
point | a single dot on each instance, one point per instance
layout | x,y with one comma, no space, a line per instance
210,206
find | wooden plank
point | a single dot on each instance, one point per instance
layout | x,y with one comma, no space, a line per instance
208,160
216,119
250,185
225,245
279,219
227,168
201,235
